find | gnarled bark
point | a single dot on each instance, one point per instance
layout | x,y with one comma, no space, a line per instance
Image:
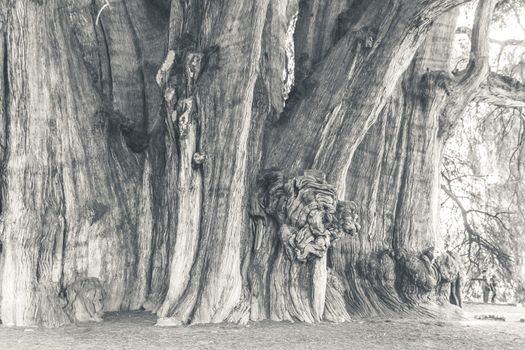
282,150
131,156
400,200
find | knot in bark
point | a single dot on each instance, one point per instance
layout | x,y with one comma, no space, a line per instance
198,159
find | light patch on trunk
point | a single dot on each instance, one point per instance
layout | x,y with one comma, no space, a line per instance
289,68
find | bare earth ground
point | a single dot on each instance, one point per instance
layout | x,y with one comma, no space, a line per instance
137,331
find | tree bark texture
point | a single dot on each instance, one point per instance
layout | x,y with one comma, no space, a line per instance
394,175
77,195
401,199
135,152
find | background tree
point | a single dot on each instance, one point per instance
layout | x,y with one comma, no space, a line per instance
482,212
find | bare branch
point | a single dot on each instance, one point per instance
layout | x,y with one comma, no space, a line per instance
508,42
493,216
478,66
475,237
502,91
476,72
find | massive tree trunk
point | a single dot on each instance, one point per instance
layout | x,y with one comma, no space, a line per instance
135,151
315,130
394,175
76,191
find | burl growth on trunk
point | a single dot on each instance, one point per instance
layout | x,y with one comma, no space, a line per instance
306,208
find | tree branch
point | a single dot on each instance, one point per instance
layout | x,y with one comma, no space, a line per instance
508,42
493,216
502,91
469,80
473,235
478,66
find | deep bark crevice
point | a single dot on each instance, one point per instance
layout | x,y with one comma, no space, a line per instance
107,61
4,120
4,135
136,136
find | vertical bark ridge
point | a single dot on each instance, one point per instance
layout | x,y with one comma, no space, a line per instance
4,102
215,286
227,174
4,131
427,90
180,140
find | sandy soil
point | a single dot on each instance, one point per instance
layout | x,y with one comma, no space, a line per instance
137,331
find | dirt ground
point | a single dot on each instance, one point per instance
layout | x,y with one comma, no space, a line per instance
137,330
